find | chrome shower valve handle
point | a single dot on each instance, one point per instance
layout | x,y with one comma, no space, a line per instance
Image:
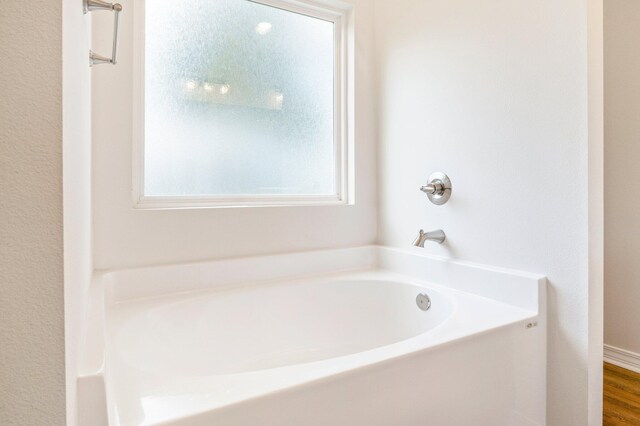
438,189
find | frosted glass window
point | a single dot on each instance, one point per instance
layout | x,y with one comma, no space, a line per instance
239,101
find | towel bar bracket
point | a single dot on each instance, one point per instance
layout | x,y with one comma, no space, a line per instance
116,8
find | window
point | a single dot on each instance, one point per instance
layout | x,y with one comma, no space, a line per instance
241,103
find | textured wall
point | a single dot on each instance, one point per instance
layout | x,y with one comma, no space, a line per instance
31,241
622,174
496,94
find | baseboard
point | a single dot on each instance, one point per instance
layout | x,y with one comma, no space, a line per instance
622,358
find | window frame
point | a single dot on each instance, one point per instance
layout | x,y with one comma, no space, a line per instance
338,12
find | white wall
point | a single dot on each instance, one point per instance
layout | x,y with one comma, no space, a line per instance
622,174
32,387
496,94
126,237
76,109
595,128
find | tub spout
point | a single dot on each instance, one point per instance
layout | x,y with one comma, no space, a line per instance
437,236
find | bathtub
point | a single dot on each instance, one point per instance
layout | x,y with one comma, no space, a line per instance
323,338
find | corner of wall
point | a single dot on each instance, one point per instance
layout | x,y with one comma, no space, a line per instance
76,118
595,46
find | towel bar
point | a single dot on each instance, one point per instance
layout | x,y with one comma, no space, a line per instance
90,6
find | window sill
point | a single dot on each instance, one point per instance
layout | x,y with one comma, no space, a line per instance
182,203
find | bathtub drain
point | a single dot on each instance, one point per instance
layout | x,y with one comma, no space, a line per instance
423,301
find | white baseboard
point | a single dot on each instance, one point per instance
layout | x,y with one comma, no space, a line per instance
622,358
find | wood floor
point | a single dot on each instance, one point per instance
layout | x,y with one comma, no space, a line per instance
621,396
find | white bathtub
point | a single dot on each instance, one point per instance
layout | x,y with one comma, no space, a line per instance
245,342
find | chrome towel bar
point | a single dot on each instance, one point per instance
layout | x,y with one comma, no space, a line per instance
90,6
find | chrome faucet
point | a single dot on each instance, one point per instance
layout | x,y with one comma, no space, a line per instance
437,236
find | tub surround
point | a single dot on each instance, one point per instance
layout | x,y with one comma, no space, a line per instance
215,342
